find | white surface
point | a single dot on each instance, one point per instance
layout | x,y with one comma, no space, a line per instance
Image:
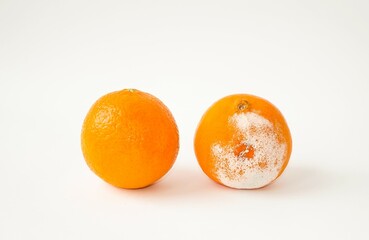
258,132
310,58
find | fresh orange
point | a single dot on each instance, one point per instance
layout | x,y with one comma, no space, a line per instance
243,142
129,139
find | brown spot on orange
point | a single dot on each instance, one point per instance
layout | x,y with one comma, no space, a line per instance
262,165
243,105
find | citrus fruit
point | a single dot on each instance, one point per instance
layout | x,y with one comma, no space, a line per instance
129,138
243,142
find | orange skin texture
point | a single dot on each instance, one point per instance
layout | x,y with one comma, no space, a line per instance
129,139
213,127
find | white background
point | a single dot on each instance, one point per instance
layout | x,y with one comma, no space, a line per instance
310,58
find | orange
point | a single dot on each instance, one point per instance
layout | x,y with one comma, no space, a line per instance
129,139
243,142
